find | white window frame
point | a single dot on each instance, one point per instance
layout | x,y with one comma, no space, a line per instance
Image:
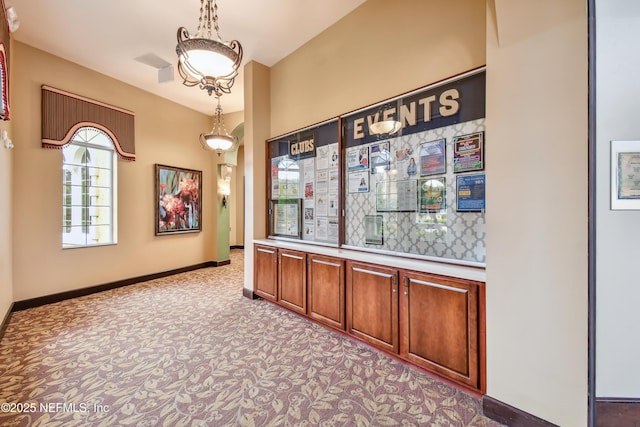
84,206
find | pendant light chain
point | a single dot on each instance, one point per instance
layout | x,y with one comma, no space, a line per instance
220,118
215,19
208,13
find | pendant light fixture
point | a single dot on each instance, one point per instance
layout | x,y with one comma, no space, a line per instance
218,139
384,122
210,63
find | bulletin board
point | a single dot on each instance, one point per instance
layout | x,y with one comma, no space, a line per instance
304,178
427,180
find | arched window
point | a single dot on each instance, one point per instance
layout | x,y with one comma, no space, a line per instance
89,190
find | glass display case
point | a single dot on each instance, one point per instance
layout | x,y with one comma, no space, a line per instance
304,184
403,177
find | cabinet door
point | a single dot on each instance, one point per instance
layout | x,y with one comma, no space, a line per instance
292,280
265,274
439,322
372,304
326,290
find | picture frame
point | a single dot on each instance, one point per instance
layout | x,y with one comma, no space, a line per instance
468,152
470,193
287,218
432,194
433,157
374,232
396,195
625,175
380,157
178,200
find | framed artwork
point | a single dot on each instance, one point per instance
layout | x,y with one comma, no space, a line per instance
178,194
625,175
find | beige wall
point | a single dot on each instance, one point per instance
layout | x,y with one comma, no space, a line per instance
257,95
537,208
6,232
166,133
378,51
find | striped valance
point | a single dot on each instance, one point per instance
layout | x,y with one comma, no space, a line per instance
63,113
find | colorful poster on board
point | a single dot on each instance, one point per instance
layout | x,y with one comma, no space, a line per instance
468,152
358,158
433,157
432,194
470,191
380,157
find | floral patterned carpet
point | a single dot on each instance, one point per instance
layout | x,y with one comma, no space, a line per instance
189,350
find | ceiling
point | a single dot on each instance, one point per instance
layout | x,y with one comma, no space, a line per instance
107,36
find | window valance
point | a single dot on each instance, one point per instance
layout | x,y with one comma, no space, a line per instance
63,113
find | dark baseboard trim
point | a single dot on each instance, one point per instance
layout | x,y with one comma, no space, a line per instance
49,299
510,416
248,293
237,247
5,321
617,412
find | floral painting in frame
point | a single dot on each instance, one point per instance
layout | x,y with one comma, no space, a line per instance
178,200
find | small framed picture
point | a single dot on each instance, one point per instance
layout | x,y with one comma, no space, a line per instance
373,229
470,191
625,175
468,152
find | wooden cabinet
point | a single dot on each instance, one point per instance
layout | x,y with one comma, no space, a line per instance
372,304
432,321
326,290
440,325
265,272
292,280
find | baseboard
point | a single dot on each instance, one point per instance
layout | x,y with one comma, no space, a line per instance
617,412
248,293
236,247
49,299
5,321
510,416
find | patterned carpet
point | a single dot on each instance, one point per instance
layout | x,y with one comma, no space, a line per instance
189,350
